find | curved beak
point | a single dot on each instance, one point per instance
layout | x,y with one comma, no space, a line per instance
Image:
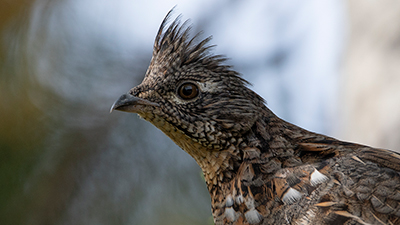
130,103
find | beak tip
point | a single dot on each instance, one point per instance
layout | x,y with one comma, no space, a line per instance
112,107
121,102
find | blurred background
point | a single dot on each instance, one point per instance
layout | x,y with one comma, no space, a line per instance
328,66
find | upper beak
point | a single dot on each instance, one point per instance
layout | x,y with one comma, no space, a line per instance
130,103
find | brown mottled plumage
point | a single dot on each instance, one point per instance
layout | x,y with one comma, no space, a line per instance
258,168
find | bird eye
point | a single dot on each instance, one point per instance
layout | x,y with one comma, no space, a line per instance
188,91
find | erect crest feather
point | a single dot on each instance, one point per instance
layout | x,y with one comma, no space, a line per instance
174,48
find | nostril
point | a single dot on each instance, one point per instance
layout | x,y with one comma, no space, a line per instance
134,91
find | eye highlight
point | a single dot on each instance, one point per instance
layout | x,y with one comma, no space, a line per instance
188,91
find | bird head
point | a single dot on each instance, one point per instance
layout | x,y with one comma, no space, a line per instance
190,94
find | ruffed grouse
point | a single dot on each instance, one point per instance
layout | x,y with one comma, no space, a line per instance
258,168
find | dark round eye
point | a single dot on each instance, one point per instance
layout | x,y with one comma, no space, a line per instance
188,91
